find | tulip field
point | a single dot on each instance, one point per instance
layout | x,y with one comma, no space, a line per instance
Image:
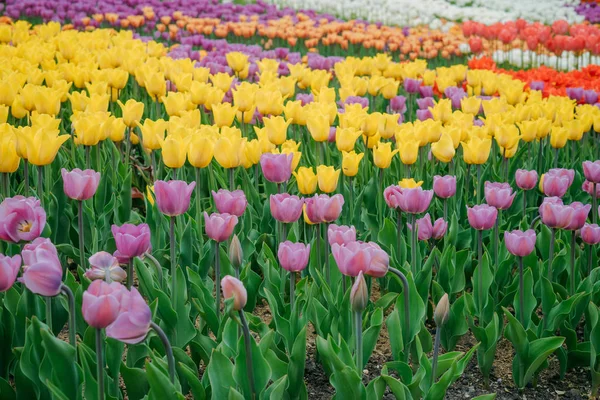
206,200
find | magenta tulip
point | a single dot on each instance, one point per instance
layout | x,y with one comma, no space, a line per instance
9,269
219,226
591,170
42,271
499,195
233,203
21,219
341,234
173,197
105,266
526,180
444,186
415,200
482,216
323,208
293,257
80,185
285,207
131,240
392,195
101,302
554,214
578,216
276,168
590,234
133,318
520,243
233,287
440,227
557,181
412,85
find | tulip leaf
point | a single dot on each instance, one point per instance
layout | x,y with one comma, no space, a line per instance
160,386
260,367
489,396
191,377
64,372
529,300
32,356
136,382
371,335
124,208
481,293
376,389
439,388
456,326
295,369
8,393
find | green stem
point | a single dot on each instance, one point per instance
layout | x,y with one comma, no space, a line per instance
40,184
49,312
81,233
26,178
477,185
413,245
231,178
130,273
100,362
168,350
436,351
359,339
327,268
247,345
398,230
292,289
551,255
406,294
173,256
72,316
572,280
521,294
594,204
87,157
480,275
217,281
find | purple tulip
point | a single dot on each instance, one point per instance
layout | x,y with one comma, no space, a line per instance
219,227
482,216
520,243
440,227
293,257
80,185
499,195
323,208
132,240
9,269
591,170
425,103
101,302
590,234
133,319
105,266
340,234
42,271
579,215
557,181
554,213
227,202
21,219
276,167
526,180
426,91
444,186
398,104
173,197
423,115
415,200
285,207
412,85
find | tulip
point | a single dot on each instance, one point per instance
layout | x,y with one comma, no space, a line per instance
21,219
318,126
526,180
224,114
323,208
482,216
441,314
42,271
327,178
9,158
499,195
286,208
133,320
476,150
578,216
80,185
174,151
132,112
200,151
443,149
345,138
276,168
9,269
101,302
590,234
554,213
556,182
227,202
415,200
412,85
359,298
351,162
43,145
293,257
173,197
351,258
105,266
409,151
424,227
306,180
383,154
276,128
237,61
132,240
234,288
444,186
409,183
393,195
520,243
440,227
591,170
228,150
341,234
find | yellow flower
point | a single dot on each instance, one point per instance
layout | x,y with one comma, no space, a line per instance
224,114
9,159
294,111
269,102
409,183
443,149
132,112
276,128
507,136
222,81
318,126
558,137
243,96
470,105
115,128
306,180
327,177
371,123
345,138
88,128
43,145
237,61
263,138
442,111
174,150
351,162
199,91
476,150
156,85
79,101
528,130
47,101
213,96
201,150
390,89
252,153
18,109
229,149
153,133
382,154
3,113
150,194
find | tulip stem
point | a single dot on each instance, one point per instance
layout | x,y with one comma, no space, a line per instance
231,178
100,363
318,234
292,289
168,349
436,351
478,183
446,210
524,204
413,245
540,157
351,199
3,190
467,178
480,275
217,281
497,237
81,233
128,145
398,231
573,243
555,161
40,183
359,339
406,294
129,273
594,204
158,268
49,312
26,178
551,255
327,269
249,368
173,260
72,316
521,294
87,157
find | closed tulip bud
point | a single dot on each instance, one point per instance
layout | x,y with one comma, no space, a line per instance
520,243
306,180
327,178
443,149
482,216
234,288
359,295
219,227
444,186
276,128
323,208
105,266
579,214
341,234
43,145
101,303
499,195
80,185
440,227
174,150
590,234
9,269
442,311
237,61
351,162
558,137
345,138
526,180
228,150
132,112
173,197
236,253
556,182
383,154
476,150
424,228
293,257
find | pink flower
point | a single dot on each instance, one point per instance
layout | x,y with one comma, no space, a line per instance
341,234
424,227
323,208
590,234
439,229
233,203
554,213
133,318
578,216
80,185
520,243
380,260
354,257
9,269
105,266
101,302
587,187
276,167
219,226
526,180
444,186
131,240
482,216
173,197
392,195
591,170
42,271
233,287
499,195
285,207
39,249
557,181
359,294
293,257
21,219
415,200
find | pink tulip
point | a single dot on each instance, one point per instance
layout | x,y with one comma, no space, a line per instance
293,257
38,250
276,168
424,227
590,234
233,287
101,302
285,207
482,216
526,180
444,186
355,257
42,271
131,240
219,226
578,216
439,229
554,213
173,197
586,186
9,269
323,208
21,219
105,266
591,170
557,181
80,185
133,318
380,260
341,234
392,195
415,200
233,203
520,243
499,195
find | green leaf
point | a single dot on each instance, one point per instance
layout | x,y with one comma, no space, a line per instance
296,365
220,375
136,382
64,365
192,380
160,386
529,300
371,335
438,389
260,368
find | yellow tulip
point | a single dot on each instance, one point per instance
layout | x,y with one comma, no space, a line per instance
371,123
575,128
9,159
243,96
263,138
409,183
276,128
306,180
507,136
213,96
345,138
294,111
3,113
388,125
201,150
176,103
88,128
476,150
156,85
318,126
199,91
9,88
528,130
174,150
47,101
382,154
153,133
79,101
116,129
98,103
222,81
17,108
132,112
252,153
442,110
269,102
470,105
443,149
327,178
351,162
558,137
43,145
44,121
224,114
409,151
390,89
287,86
229,149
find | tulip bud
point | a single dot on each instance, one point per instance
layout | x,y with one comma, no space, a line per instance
359,296
236,253
233,287
442,311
